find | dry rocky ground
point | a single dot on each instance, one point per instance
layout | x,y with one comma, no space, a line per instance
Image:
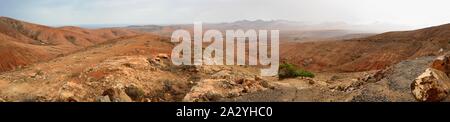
129,69
119,77
124,66
394,84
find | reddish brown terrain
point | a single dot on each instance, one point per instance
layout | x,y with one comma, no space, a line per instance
289,30
24,43
371,53
123,70
72,64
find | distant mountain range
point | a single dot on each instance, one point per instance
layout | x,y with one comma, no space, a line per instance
289,30
285,25
369,53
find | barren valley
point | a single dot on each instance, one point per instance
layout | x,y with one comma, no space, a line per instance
132,64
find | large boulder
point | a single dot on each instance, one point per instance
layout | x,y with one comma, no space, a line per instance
2,100
216,89
117,95
71,92
431,86
442,63
103,99
394,83
136,93
213,89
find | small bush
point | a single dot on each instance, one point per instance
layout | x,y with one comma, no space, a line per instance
71,39
75,75
291,71
135,92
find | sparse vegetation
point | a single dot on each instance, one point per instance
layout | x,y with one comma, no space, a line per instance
75,75
135,92
71,39
39,72
288,70
170,90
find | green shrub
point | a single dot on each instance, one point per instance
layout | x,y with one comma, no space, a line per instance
291,71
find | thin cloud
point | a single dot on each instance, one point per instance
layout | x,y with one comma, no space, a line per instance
76,12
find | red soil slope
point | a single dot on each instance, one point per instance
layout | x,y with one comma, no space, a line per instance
23,43
371,53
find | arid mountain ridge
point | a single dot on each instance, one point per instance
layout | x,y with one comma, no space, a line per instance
72,64
289,30
370,53
24,43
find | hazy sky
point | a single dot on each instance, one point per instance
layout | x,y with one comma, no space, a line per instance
417,13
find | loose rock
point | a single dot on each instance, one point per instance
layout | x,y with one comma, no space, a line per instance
431,86
103,99
442,63
117,95
134,92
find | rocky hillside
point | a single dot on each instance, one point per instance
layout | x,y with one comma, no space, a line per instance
371,53
24,43
421,79
127,69
71,64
